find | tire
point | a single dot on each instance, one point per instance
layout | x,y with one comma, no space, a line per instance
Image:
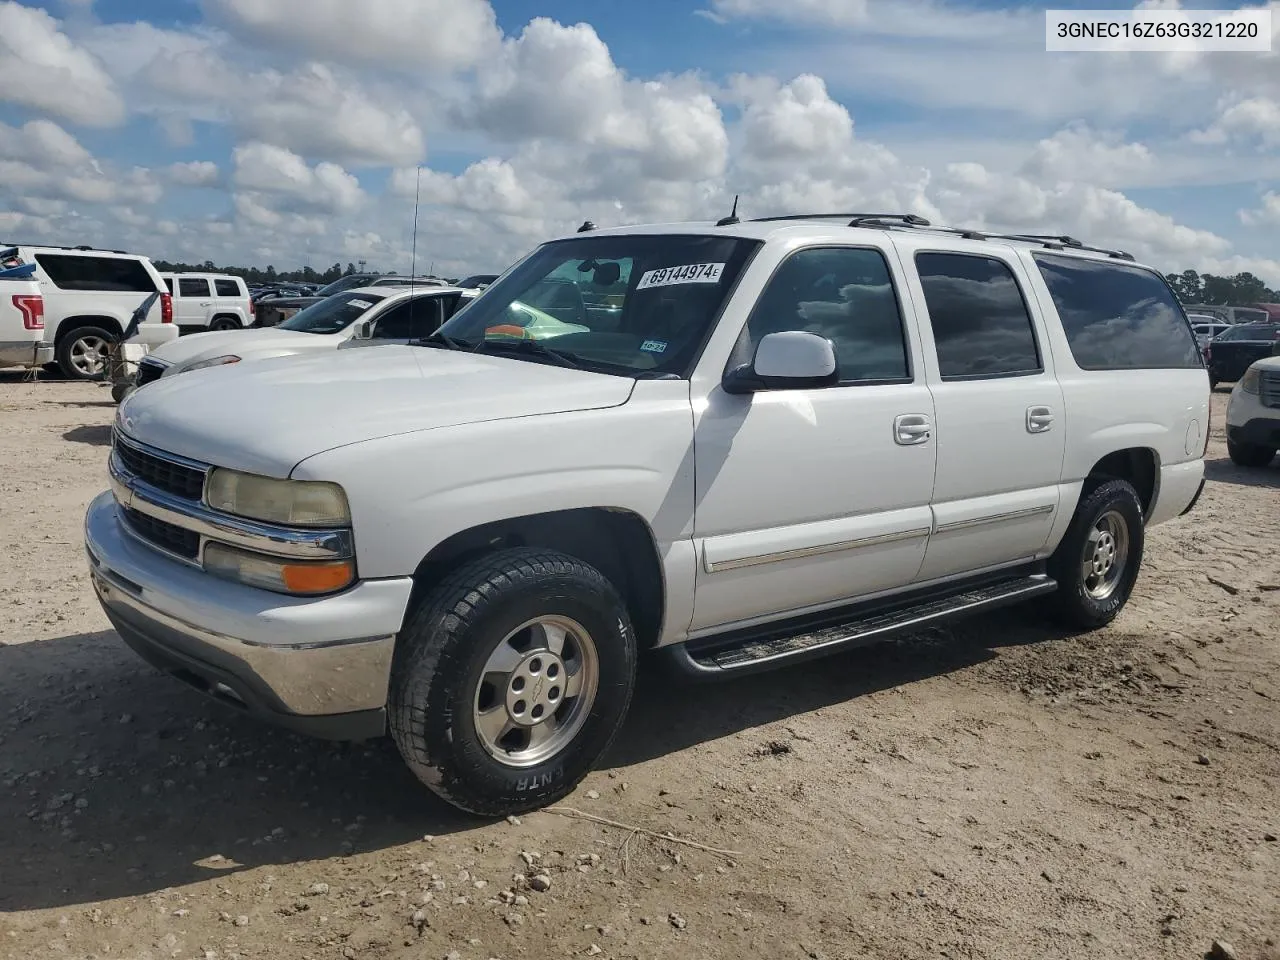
1115,504
1249,454
121,390
82,353
224,323
444,684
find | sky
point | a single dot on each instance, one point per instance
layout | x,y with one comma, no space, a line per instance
292,132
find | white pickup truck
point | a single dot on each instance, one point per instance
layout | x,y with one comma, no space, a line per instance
781,439
22,342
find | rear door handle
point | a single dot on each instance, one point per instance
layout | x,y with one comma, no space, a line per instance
910,429
1039,419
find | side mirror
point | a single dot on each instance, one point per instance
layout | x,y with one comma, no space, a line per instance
364,330
791,360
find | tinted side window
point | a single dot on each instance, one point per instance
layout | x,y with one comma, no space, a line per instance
418,318
1118,317
70,272
981,326
168,284
227,288
193,287
843,294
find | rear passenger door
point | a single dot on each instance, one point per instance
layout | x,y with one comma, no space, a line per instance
1000,434
193,306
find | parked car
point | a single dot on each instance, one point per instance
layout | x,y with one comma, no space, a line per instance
1253,415
279,310
209,301
89,298
1206,327
22,333
798,437
477,281
1234,350
366,316
1232,315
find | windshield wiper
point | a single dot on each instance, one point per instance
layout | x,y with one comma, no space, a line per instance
439,339
531,347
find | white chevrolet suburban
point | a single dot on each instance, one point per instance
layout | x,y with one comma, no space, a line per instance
783,438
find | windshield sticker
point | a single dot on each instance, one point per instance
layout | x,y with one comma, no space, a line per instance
688,273
654,346
362,304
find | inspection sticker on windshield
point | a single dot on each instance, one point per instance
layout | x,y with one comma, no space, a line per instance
360,304
654,346
688,273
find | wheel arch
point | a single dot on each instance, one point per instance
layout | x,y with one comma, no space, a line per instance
616,541
68,325
1140,466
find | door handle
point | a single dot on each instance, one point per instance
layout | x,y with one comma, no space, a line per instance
206,304
1039,419
911,428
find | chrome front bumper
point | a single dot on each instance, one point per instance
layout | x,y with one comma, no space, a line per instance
321,665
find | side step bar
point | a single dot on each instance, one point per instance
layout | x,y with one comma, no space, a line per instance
718,657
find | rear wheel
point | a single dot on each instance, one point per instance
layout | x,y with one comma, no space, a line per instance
511,678
82,354
224,323
1097,562
1249,454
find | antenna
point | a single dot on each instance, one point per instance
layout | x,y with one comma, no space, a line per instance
732,218
417,193
587,227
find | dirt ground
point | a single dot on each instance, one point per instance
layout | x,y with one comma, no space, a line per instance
999,790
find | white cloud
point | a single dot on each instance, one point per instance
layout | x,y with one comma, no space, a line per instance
197,173
1267,214
419,35
41,68
1079,153
41,162
1254,120
824,12
272,178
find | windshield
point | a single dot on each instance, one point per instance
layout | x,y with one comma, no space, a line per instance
1250,331
332,314
346,283
631,305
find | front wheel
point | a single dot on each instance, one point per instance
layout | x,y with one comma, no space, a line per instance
1249,454
511,678
1096,564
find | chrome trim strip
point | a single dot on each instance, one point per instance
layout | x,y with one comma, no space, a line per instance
815,551
291,543
994,518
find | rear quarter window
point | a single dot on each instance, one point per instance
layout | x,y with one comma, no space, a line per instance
102,274
227,288
1117,316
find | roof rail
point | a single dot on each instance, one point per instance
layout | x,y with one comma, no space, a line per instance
1062,243
855,219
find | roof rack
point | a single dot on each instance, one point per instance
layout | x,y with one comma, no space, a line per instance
1050,242
855,219
5,245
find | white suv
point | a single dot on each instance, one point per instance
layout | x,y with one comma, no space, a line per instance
209,301
90,297
1253,415
753,442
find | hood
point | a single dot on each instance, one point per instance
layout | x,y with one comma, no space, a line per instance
266,417
205,346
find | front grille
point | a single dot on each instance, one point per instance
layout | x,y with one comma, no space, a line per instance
1269,388
166,475
184,543
148,370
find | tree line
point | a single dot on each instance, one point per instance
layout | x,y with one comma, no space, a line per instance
265,276
1242,290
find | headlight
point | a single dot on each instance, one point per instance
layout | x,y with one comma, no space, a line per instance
1249,382
276,574
301,503
214,362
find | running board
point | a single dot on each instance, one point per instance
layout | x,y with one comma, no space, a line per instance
739,654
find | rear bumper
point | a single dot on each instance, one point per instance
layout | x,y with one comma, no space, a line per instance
319,666
25,353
